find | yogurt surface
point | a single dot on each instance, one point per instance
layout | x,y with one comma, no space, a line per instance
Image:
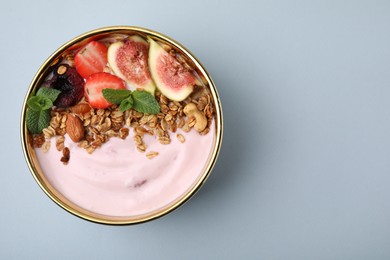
118,180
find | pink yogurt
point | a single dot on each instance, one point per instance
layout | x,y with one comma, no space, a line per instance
117,180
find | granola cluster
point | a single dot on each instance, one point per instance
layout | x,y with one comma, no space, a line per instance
102,124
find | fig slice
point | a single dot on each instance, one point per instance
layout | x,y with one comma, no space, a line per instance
172,79
128,60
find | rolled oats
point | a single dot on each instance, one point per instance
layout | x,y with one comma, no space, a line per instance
164,139
90,149
164,109
181,138
173,127
100,112
46,146
180,122
60,143
102,124
186,128
123,132
164,125
116,113
151,154
163,100
205,131
94,120
49,132
138,139
141,148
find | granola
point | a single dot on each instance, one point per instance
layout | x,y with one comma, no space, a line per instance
91,128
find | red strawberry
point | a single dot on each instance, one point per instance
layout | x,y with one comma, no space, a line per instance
91,58
96,83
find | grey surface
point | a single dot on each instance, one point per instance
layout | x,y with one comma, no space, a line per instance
304,171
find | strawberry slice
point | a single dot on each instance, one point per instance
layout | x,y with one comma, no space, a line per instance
92,58
96,83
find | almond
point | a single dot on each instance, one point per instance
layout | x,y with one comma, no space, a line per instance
80,109
74,128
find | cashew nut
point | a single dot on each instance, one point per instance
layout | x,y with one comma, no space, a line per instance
192,111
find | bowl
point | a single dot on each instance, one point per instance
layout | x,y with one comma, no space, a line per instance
102,184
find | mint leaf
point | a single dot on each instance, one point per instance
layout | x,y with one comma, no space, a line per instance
36,121
38,114
49,93
126,104
38,103
145,102
115,96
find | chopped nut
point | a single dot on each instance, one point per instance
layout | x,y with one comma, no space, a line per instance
89,137
60,131
83,144
38,140
65,155
97,143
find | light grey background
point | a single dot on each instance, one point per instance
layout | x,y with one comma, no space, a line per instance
304,171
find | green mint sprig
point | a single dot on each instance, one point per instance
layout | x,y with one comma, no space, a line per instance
140,101
37,114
